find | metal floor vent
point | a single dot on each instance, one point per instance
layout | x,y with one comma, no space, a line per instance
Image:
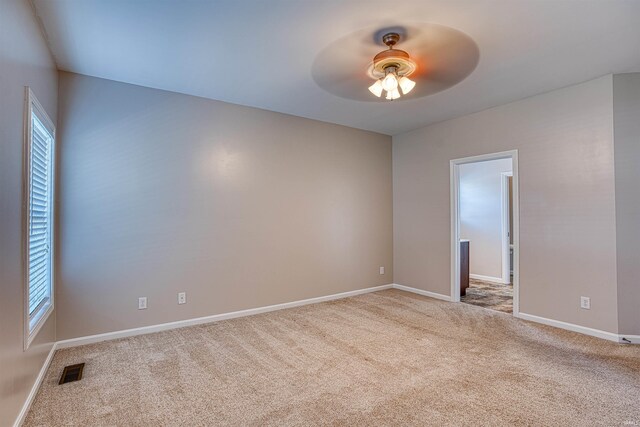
71,373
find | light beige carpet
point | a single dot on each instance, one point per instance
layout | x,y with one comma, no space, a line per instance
387,358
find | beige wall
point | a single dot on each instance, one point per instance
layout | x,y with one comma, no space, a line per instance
626,109
567,204
24,61
239,207
481,215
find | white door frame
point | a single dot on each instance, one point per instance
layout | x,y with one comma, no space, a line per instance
454,167
506,271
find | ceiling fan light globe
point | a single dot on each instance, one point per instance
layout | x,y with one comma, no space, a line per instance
390,82
376,88
393,94
406,84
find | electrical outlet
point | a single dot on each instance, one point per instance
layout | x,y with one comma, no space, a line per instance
381,270
585,302
182,297
142,303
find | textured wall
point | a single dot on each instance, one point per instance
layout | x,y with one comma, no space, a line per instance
24,61
239,207
567,204
626,115
481,215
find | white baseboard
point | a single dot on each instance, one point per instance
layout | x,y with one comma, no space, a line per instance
74,342
34,389
571,327
422,292
488,279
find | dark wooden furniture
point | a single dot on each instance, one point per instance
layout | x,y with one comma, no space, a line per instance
464,267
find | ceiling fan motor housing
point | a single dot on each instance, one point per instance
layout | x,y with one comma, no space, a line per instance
396,58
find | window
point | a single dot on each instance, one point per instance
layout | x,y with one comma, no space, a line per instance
39,169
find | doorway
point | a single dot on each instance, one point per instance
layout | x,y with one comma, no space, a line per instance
484,231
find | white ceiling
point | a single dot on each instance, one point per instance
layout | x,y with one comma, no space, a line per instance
260,53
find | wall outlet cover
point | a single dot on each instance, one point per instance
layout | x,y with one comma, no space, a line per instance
585,303
142,303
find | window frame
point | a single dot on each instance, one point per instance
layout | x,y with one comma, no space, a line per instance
33,323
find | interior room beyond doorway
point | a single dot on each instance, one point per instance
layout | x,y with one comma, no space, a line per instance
486,233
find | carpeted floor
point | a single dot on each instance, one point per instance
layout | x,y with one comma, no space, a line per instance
385,358
494,296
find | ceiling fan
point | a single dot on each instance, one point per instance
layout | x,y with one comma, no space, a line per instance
391,68
440,57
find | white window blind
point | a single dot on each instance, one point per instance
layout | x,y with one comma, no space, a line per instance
40,218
